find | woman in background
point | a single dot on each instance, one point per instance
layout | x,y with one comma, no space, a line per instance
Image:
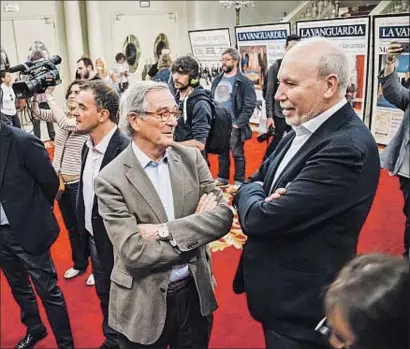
67,163
102,70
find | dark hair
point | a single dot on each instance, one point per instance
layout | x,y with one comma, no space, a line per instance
372,291
292,37
233,53
75,82
120,56
86,62
187,65
3,74
105,96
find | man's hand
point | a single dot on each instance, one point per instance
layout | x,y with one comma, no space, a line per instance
148,231
276,195
206,203
394,50
269,124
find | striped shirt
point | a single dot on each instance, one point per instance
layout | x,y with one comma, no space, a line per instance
73,141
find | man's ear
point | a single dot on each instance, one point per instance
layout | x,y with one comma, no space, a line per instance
105,115
332,85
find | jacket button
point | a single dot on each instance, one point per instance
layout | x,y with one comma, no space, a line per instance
162,289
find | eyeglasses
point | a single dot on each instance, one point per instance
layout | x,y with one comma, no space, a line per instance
226,59
323,328
165,115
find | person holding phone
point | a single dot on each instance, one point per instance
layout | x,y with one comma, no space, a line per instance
396,156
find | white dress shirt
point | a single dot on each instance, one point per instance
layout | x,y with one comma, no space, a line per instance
158,173
91,169
3,217
303,133
9,98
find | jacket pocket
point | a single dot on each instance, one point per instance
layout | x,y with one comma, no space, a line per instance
122,278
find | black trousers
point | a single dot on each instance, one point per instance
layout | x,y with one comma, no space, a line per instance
405,189
14,120
67,204
275,340
280,128
184,327
102,287
18,265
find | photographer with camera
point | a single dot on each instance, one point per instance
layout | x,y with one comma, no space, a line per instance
8,102
67,163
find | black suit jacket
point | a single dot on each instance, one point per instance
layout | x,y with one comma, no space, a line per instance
297,244
103,244
28,186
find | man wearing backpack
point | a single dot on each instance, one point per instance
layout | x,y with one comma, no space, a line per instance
195,103
236,93
275,120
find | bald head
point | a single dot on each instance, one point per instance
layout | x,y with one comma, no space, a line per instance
313,77
325,56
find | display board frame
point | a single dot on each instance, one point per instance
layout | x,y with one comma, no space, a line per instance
270,38
365,78
377,66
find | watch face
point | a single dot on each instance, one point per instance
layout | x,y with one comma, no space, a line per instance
163,232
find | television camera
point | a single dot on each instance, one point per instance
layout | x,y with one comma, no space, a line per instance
38,75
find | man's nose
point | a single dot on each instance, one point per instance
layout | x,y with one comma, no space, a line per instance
280,95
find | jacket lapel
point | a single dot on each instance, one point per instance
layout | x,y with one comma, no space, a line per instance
112,149
324,131
277,159
5,140
140,180
177,174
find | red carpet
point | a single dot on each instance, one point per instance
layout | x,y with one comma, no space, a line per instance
233,327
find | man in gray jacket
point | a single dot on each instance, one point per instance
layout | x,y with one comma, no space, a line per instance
396,156
274,117
161,208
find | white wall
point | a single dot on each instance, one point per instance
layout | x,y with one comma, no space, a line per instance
108,10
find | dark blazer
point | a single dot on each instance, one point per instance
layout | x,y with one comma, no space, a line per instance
28,186
297,244
117,144
244,102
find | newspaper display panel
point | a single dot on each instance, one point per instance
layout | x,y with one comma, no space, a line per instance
207,47
386,118
352,35
260,46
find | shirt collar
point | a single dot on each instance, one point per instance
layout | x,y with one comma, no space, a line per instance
144,159
103,145
313,124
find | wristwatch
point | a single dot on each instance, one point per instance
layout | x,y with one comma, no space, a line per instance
163,233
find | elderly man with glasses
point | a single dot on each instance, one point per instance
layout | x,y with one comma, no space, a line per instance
161,208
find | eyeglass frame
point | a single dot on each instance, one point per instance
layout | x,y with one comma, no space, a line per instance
177,114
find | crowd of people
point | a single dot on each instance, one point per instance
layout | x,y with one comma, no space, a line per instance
131,176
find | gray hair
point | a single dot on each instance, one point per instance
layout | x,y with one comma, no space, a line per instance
331,60
134,100
233,53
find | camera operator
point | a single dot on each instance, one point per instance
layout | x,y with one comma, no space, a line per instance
8,103
67,163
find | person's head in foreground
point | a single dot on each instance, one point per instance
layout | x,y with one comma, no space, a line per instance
367,306
313,77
